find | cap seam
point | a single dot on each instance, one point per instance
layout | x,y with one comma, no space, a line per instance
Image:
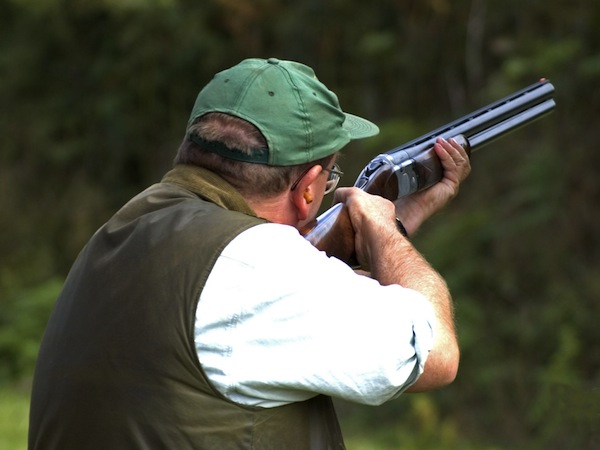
239,113
308,140
246,87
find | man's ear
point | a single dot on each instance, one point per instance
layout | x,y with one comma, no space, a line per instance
304,193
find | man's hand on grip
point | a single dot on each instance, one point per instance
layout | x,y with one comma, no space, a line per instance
374,221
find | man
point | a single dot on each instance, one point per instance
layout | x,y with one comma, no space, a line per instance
198,317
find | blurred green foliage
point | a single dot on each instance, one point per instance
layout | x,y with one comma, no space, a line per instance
14,417
94,100
23,316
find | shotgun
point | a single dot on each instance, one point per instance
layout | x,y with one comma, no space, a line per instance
414,165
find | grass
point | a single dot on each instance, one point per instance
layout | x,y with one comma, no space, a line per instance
14,417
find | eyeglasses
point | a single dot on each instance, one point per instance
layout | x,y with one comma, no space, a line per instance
332,179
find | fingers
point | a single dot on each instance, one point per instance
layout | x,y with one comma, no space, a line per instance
452,149
341,194
373,219
454,158
367,211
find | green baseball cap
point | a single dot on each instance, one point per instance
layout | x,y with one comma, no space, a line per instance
300,118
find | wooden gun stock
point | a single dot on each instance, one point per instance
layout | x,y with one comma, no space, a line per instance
414,166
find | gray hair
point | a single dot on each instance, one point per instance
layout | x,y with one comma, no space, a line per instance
250,179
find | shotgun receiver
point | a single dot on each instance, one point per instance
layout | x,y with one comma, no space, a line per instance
414,166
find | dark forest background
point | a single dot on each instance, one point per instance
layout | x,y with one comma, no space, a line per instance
95,95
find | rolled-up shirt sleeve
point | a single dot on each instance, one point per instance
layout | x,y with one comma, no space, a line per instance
278,322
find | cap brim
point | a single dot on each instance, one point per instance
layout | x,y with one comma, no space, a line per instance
359,128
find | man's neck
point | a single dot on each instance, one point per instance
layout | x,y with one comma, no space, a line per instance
276,209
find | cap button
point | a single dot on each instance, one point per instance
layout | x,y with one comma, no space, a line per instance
273,61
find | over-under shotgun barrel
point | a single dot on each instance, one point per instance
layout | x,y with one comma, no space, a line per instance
414,166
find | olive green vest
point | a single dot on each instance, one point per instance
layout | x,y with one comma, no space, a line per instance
118,368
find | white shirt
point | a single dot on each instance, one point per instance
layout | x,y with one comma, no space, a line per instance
278,322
